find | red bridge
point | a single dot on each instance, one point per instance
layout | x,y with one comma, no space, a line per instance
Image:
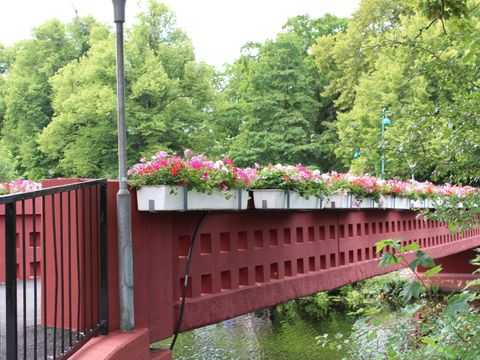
249,260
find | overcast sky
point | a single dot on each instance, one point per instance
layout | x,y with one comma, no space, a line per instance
218,28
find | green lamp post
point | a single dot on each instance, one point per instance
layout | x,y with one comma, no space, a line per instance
385,122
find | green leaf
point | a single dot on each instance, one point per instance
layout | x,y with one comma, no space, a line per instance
382,244
433,271
453,228
394,243
411,247
475,282
410,290
389,259
421,259
459,303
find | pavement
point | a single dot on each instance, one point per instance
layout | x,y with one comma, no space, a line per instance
26,339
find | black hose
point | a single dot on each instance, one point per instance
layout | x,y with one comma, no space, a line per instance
185,282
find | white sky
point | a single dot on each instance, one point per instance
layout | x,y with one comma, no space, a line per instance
218,28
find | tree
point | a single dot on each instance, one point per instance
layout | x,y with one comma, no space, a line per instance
28,106
275,88
167,95
7,165
423,67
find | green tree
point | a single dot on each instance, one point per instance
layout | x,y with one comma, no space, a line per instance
7,165
275,88
168,96
422,67
28,107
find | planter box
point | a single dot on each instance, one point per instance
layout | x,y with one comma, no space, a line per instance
338,202
363,203
175,198
392,202
160,198
217,201
429,204
349,202
418,204
279,199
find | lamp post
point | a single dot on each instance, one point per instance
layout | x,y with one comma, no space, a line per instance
385,122
412,164
124,221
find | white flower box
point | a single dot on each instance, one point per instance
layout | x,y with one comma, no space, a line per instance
338,202
160,198
279,199
429,204
393,202
418,204
237,200
363,203
175,198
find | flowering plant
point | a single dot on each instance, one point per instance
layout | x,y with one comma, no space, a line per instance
361,187
16,186
193,171
297,178
201,174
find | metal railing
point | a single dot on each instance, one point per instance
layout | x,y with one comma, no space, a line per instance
63,302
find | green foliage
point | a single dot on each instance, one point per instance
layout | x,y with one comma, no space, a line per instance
458,303
442,330
314,94
367,297
28,107
274,91
419,59
7,165
411,290
167,94
421,259
459,213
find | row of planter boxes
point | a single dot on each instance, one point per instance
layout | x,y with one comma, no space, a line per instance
175,198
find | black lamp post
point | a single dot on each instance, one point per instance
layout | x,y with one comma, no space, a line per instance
125,259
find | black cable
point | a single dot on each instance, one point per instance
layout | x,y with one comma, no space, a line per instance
185,282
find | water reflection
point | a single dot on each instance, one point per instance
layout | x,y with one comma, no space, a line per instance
256,336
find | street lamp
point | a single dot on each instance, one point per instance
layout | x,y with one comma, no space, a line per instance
412,164
385,122
124,220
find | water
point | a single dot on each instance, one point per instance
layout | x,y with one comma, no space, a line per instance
255,336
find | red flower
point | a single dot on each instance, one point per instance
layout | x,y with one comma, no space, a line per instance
229,162
176,167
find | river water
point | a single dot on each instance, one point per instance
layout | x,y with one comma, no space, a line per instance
255,336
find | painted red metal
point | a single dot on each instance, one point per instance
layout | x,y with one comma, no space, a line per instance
80,280
25,233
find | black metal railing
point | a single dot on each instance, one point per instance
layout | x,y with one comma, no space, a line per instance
56,291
